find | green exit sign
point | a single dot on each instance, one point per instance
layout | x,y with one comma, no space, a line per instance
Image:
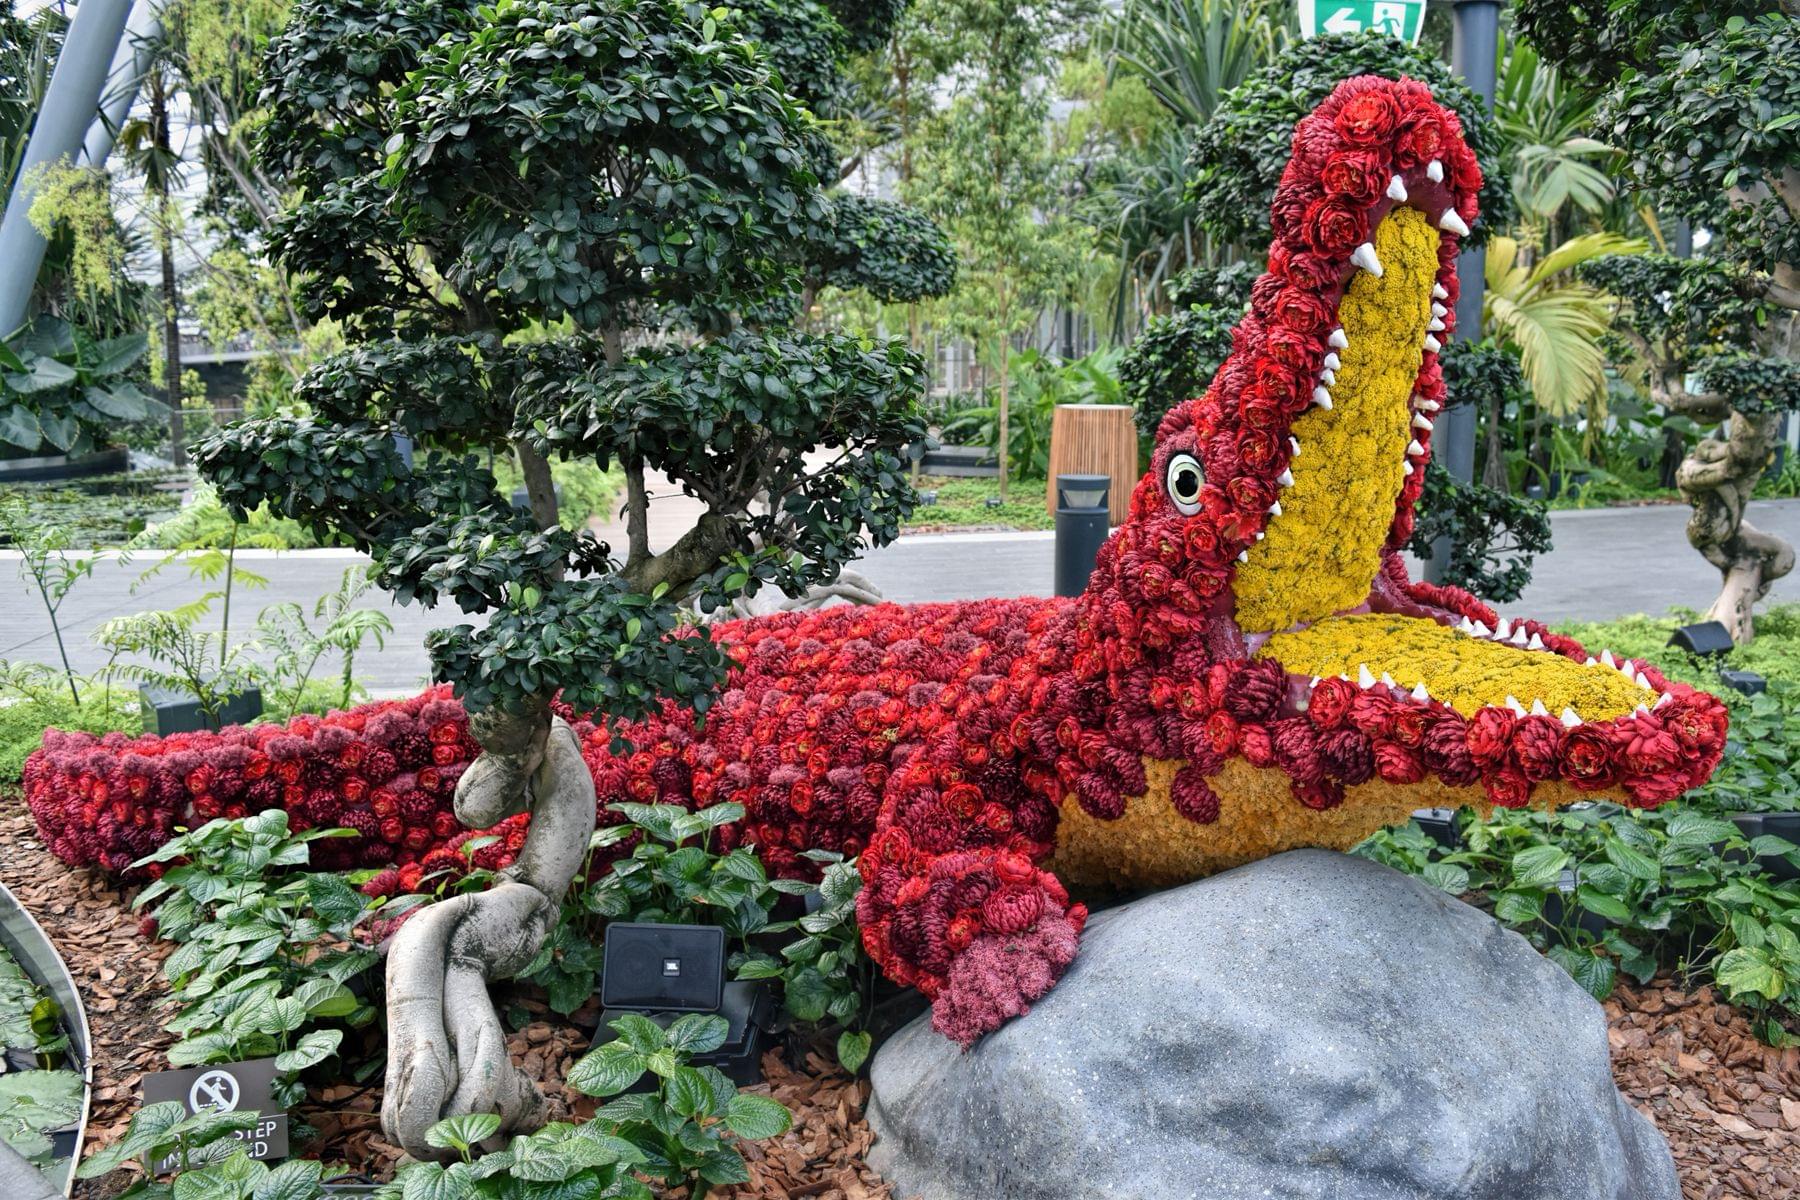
1398,18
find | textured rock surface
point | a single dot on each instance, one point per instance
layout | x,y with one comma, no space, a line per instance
1311,1025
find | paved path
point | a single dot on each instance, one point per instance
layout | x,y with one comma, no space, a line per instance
1607,562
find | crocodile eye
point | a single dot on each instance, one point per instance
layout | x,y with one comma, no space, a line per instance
1184,481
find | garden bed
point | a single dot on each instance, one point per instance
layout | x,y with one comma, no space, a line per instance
1728,1104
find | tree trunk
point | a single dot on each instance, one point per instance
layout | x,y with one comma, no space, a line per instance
1000,453
1493,471
158,179
1717,479
540,488
1673,452
446,1046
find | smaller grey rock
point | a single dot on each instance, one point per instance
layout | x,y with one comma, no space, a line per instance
1313,1026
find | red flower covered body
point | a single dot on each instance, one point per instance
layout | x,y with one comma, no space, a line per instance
1223,690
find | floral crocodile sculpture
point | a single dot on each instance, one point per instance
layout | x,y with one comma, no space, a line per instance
1249,670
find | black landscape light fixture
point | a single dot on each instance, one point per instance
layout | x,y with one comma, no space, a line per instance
1082,523
664,971
1710,639
1707,638
1747,682
1439,825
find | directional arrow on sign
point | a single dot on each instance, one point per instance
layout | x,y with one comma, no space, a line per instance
1344,20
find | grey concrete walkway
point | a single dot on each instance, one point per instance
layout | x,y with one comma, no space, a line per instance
1607,563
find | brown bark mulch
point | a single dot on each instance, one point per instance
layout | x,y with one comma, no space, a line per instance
1728,1104
118,973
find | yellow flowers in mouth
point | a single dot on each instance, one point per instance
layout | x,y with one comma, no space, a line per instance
1467,673
1321,554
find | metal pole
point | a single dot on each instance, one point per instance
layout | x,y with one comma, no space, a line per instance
69,106
133,60
1474,49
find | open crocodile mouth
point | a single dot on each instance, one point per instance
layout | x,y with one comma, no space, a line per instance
1315,575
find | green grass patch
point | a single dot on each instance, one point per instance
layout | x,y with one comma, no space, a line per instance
963,503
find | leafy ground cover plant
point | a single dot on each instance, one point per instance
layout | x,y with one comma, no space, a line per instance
826,977
34,1102
686,1122
1601,890
264,953
681,1128
671,874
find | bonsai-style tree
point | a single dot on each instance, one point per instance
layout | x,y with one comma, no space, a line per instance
561,228
1702,100
1694,325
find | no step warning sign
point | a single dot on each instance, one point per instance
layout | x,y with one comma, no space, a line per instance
227,1087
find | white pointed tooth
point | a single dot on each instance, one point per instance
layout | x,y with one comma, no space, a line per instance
1569,717
1432,344
1436,325
1503,629
1536,643
1606,659
1243,556
1414,449
1452,222
1538,709
1275,509
1643,681
1464,625
1315,681
1512,702
1332,361
1660,701
1260,535
1406,468
1430,405
1438,310
1434,171
1388,679
1294,446
1482,631
1397,190
1419,693
1439,292
1285,479
1625,667
1337,340
1363,678
1364,257
1421,421
1591,662
1640,711
1518,637
1322,398
1328,377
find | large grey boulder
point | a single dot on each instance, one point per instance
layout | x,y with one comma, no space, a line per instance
1312,1025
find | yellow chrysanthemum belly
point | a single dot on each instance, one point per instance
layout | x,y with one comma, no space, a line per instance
1321,554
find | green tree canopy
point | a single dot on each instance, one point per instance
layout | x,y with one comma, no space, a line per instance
573,228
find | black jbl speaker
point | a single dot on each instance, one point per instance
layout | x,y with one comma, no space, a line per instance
663,968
